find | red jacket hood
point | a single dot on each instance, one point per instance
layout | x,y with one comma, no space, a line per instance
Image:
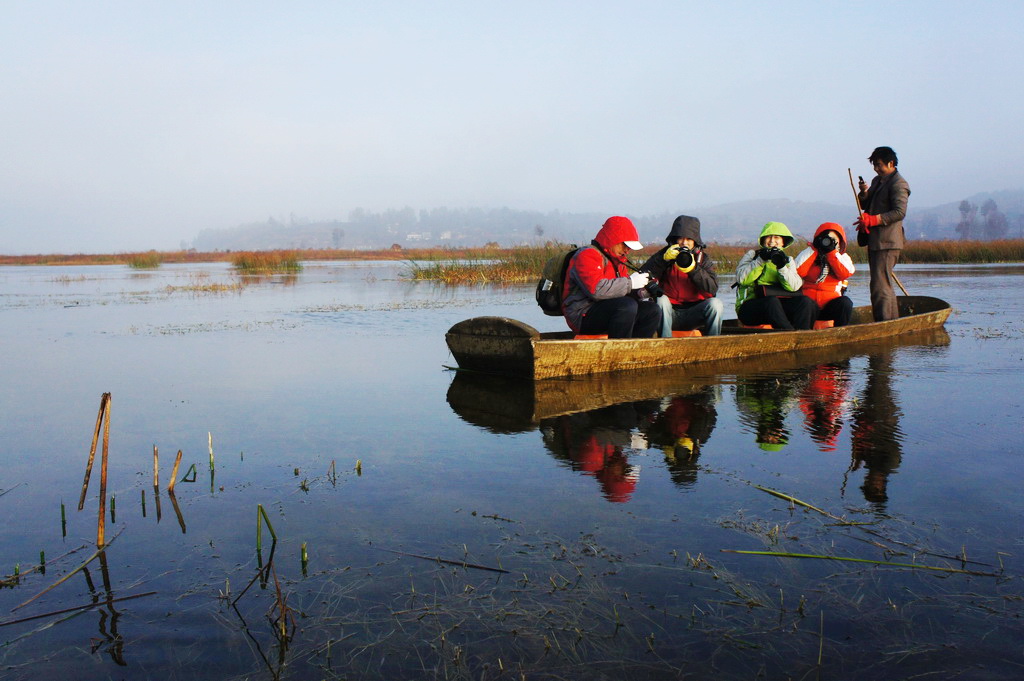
835,227
616,230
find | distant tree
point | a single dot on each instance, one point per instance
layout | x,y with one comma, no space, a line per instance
337,235
996,225
967,213
538,231
396,247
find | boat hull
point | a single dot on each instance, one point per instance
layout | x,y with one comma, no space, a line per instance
499,345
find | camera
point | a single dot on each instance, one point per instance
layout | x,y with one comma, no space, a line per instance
651,290
825,243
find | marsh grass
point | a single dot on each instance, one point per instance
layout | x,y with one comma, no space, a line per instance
149,260
962,252
511,264
508,266
200,283
266,262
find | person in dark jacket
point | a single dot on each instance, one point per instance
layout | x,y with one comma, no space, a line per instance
687,277
600,295
880,228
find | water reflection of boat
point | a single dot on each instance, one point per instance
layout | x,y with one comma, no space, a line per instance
506,405
505,346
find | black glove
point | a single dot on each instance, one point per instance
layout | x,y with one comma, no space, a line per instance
764,253
824,243
685,258
779,259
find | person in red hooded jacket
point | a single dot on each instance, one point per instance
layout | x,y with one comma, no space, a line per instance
600,295
825,266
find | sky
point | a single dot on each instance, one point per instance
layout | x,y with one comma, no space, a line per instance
134,125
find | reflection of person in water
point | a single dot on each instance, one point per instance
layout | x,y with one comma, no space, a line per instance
681,429
876,433
593,442
821,401
764,402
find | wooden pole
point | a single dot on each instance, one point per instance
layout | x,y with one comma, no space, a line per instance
856,197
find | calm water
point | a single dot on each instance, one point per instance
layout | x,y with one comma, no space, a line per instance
610,516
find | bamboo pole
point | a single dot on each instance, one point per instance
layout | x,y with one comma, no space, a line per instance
856,198
92,450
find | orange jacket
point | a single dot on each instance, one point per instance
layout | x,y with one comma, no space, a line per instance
809,265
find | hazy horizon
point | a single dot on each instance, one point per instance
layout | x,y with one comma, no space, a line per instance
131,127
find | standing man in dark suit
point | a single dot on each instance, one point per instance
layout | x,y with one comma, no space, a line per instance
880,228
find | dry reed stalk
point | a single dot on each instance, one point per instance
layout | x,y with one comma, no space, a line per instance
794,500
783,554
210,437
446,561
92,450
77,607
101,522
68,576
177,511
174,473
156,467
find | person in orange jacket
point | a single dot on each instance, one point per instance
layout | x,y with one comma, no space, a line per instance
825,266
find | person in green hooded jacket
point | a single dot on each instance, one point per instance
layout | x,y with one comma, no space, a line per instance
768,284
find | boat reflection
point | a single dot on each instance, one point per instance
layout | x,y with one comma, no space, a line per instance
596,423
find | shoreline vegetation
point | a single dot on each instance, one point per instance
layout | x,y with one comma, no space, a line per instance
488,265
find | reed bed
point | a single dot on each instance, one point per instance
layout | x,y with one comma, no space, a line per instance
505,266
149,260
963,252
513,260
266,262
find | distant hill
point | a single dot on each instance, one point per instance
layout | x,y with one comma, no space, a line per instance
737,222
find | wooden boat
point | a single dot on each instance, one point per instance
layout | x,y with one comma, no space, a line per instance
498,345
504,404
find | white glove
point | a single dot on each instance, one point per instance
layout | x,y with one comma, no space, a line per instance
639,279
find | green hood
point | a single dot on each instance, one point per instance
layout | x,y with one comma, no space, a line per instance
776,228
